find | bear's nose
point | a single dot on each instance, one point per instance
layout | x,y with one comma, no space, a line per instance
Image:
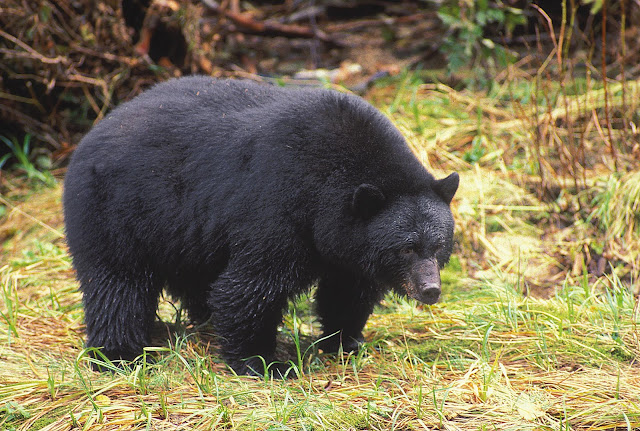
429,293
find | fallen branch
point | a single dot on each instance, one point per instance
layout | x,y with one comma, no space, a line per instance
269,28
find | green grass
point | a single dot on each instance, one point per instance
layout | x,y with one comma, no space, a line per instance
488,356
23,156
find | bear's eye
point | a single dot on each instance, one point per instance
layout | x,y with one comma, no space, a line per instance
408,251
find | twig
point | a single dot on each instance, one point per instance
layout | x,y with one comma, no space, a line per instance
42,130
33,52
129,61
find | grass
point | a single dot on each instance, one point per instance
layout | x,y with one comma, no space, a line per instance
23,155
533,332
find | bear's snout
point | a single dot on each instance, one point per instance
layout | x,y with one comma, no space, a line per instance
429,294
426,281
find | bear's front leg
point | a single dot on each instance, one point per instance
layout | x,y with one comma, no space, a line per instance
245,315
344,303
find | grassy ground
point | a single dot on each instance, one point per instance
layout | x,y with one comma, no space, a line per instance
537,328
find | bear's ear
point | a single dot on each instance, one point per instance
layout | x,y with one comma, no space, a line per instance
447,187
367,200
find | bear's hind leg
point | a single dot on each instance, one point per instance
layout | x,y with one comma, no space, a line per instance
119,311
344,304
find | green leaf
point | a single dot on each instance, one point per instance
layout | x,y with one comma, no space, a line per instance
596,5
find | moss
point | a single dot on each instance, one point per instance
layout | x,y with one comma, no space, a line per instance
43,422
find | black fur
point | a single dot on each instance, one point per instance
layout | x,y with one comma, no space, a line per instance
236,197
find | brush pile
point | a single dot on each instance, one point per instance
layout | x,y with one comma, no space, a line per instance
65,63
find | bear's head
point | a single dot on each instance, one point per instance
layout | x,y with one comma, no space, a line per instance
406,239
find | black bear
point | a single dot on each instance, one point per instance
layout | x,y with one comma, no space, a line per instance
236,197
